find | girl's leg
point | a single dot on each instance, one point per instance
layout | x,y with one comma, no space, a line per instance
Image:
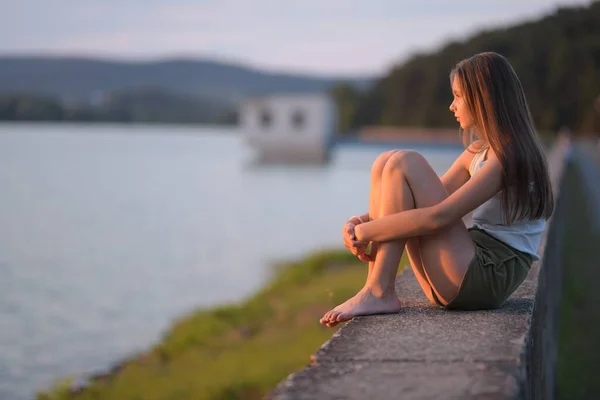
374,211
408,182
412,245
375,192
413,250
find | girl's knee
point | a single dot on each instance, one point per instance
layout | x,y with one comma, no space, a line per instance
380,162
402,161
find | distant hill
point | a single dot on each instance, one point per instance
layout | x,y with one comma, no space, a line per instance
80,79
557,58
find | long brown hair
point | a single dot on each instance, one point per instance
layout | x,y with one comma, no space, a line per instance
496,101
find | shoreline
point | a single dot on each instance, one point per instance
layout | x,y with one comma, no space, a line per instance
410,135
273,333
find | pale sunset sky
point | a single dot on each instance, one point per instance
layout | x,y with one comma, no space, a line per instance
339,37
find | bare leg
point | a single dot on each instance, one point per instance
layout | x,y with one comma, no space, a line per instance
412,244
408,182
375,193
414,256
378,295
374,212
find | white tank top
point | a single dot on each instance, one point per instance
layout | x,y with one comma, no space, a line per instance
523,235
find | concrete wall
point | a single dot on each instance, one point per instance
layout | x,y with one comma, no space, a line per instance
536,374
424,352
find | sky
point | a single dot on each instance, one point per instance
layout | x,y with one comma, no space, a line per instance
319,37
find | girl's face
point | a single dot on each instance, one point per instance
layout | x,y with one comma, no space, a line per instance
459,106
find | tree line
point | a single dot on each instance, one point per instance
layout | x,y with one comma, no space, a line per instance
557,59
130,105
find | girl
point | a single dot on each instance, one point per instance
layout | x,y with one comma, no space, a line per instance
502,177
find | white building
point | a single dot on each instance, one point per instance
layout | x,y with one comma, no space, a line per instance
289,128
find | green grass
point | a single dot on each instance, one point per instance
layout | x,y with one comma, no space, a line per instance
236,351
579,321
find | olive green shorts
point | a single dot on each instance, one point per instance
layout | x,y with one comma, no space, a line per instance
495,273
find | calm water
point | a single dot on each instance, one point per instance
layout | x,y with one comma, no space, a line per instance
109,232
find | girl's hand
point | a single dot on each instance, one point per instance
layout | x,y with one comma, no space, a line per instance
357,248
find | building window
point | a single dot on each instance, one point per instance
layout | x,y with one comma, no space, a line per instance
298,120
266,119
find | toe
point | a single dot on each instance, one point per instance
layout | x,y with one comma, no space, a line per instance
334,316
343,317
332,324
326,317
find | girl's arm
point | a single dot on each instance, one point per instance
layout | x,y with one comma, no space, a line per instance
422,221
456,176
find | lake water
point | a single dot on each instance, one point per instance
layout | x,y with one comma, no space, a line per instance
109,232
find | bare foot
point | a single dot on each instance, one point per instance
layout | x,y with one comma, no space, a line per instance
363,303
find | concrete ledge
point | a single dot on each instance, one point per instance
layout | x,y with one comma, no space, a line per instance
424,352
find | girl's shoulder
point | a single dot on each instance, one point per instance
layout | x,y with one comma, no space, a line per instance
477,146
474,155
